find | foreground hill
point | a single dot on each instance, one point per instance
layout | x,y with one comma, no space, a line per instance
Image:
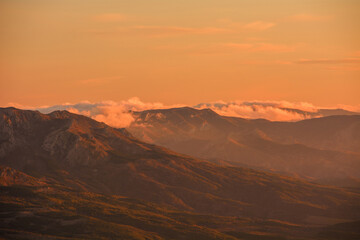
86,155
52,211
46,209
324,149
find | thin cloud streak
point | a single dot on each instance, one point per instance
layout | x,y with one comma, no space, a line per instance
261,47
98,81
173,30
110,17
259,25
250,26
231,48
227,27
308,18
160,31
270,110
328,61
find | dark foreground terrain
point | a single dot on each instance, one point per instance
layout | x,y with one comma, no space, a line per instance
44,209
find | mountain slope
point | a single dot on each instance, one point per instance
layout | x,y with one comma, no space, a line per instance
88,155
54,211
49,210
316,148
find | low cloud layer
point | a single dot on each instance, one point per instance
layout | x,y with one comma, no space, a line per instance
329,61
115,114
308,18
119,114
274,111
277,110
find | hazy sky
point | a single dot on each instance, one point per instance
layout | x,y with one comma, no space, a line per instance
186,51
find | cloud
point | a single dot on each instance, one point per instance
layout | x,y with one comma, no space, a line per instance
344,68
255,112
259,25
250,26
173,30
271,110
16,105
343,64
110,17
328,61
353,108
160,31
98,81
115,114
261,47
232,48
308,18
228,27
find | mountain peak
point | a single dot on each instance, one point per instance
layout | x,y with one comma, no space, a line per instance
61,114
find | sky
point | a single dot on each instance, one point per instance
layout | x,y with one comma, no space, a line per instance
179,52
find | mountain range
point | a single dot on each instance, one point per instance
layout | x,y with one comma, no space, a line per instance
322,149
93,180
307,112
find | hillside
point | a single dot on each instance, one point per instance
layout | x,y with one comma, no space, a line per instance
47,209
317,149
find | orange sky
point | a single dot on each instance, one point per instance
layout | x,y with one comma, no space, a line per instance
186,52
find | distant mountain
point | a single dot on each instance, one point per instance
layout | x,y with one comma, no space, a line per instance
319,149
83,154
322,112
263,106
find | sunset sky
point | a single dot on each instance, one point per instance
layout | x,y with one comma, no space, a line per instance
187,52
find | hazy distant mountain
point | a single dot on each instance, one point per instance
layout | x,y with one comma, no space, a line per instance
320,148
261,107
84,154
322,112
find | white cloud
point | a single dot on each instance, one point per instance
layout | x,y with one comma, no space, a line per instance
271,110
116,114
259,25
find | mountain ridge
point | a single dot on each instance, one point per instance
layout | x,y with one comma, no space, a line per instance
298,148
86,154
